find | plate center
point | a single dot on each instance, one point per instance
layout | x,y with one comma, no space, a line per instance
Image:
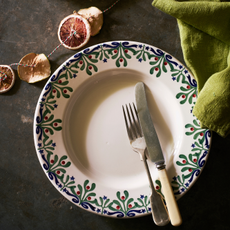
95,136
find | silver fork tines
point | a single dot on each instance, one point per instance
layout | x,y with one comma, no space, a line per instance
134,130
159,212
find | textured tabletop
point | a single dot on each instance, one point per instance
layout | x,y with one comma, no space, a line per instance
28,199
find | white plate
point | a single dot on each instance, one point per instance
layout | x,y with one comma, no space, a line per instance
80,134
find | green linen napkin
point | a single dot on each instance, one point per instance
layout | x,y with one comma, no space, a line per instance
205,39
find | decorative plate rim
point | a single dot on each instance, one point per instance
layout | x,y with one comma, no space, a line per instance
46,124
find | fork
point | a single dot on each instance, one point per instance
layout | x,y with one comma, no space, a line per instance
137,141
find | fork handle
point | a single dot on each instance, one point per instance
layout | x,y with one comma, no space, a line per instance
171,203
159,212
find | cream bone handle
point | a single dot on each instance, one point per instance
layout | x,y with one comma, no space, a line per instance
173,210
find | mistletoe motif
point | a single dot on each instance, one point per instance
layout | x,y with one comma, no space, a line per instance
122,205
53,165
191,166
85,194
197,131
159,65
57,86
143,52
104,203
121,53
87,62
189,91
143,202
159,188
47,124
179,184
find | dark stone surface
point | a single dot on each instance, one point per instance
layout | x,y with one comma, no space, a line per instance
28,199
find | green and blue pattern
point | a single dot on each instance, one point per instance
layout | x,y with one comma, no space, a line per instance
85,195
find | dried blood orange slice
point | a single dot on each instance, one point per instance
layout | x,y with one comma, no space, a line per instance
7,78
34,67
74,31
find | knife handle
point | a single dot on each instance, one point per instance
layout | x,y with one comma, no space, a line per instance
159,212
173,210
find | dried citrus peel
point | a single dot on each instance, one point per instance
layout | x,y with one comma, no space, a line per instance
34,68
94,17
7,77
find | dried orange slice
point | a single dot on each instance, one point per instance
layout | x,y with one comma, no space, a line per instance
7,78
74,31
94,17
40,70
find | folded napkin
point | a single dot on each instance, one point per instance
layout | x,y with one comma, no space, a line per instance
205,39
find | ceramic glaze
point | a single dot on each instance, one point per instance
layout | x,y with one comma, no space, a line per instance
80,134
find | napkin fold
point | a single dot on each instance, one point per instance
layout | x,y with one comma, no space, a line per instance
205,39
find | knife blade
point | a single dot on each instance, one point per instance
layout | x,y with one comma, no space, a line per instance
155,152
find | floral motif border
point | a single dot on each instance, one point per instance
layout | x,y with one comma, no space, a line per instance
47,124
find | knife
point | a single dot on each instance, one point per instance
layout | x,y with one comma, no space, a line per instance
155,152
